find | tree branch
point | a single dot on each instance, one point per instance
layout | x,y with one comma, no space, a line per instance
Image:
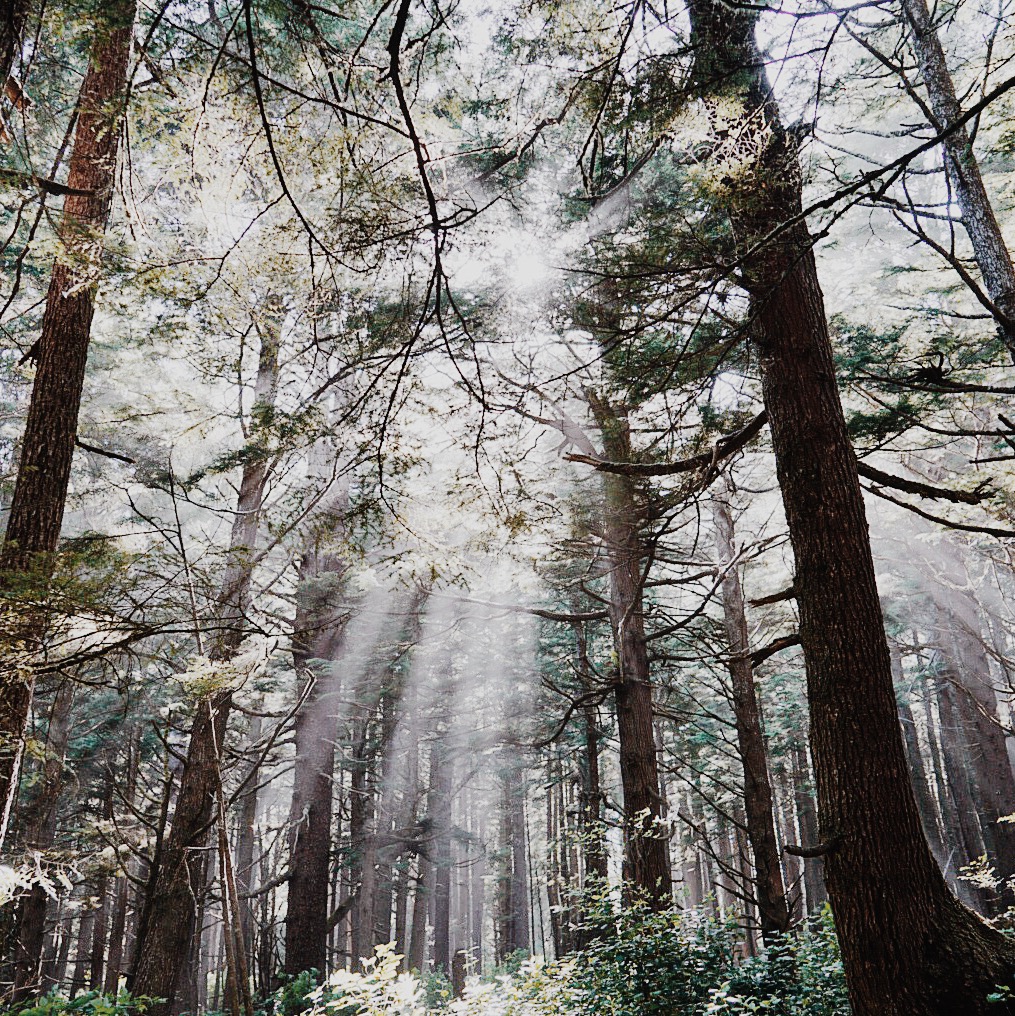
724,447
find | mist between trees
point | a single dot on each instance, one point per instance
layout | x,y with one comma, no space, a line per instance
507,508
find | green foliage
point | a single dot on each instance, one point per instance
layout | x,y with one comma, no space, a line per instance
643,963
292,998
92,1003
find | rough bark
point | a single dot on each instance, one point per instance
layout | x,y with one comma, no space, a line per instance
40,493
646,850
978,218
773,907
908,945
13,18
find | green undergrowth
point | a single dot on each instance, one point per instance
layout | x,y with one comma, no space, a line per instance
635,963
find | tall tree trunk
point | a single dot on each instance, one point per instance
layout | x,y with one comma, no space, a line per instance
317,636
592,792
646,852
420,908
807,819
908,945
121,887
760,821
963,170
82,951
169,924
361,855
245,850
921,787
439,812
36,514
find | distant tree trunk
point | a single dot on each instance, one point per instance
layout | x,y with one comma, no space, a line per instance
477,895
362,856
40,832
245,849
36,514
82,952
168,926
316,636
117,923
963,170
988,751
954,742
921,787
807,819
908,945
121,887
760,821
59,972
511,914
592,791
439,812
420,908
646,853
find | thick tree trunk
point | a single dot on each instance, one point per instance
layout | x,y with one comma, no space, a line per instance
36,514
771,892
169,923
963,170
908,945
646,850
13,18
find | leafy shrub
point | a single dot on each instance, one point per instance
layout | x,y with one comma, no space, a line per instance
647,964
293,997
380,990
92,1003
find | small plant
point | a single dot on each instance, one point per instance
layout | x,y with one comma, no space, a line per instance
92,1003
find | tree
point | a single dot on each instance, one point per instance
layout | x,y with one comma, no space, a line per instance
908,945
168,922
61,353
771,892
963,169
